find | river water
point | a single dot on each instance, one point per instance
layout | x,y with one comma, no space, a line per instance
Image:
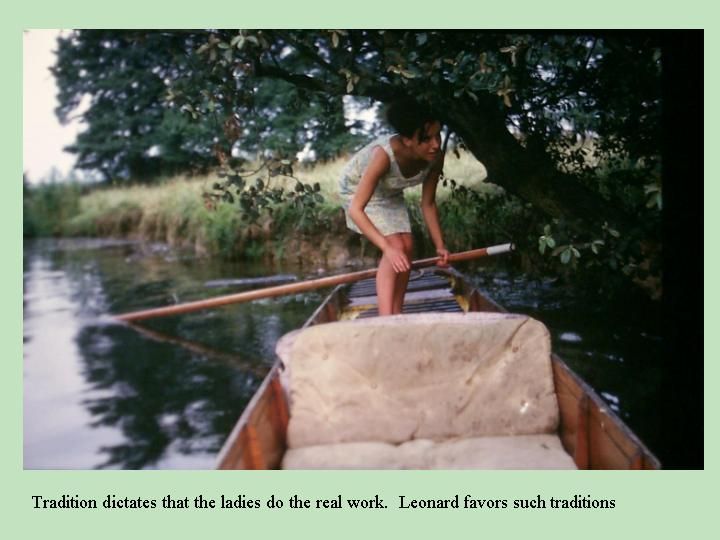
103,395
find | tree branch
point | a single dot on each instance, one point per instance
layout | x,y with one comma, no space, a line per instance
378,92
307,52
531,177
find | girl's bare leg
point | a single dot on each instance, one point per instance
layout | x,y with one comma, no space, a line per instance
401,281
387,279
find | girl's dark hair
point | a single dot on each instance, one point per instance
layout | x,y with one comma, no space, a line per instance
407,116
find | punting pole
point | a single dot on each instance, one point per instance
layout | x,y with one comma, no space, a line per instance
302,286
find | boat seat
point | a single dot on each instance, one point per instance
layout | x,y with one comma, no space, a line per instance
512,452
421,391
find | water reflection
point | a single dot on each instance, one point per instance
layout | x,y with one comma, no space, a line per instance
615,346
54,417
101,394
158,395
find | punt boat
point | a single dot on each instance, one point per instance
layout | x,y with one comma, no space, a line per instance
591,434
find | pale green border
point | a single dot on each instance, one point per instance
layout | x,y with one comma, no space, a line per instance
658,505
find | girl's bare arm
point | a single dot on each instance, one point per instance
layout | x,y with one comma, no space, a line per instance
430,210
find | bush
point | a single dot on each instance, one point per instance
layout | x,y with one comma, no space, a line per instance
48,208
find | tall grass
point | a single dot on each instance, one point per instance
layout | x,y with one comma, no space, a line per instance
173,211
465,169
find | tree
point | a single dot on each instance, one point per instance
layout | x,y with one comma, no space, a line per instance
138,128
283,119
569,123
123,78
548,89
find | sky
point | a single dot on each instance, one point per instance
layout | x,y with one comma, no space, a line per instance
43,136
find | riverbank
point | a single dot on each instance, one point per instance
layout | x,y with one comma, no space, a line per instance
173,211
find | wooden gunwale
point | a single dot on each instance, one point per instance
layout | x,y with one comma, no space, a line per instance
590,432
265,401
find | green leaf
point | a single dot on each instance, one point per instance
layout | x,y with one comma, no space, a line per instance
550,242
565,257
655,200
422,38
542,245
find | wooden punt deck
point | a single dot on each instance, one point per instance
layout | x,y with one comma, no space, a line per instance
427,293
590,432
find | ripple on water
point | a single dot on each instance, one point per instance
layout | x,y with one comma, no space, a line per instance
570,337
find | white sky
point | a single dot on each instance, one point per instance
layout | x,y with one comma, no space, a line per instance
43,136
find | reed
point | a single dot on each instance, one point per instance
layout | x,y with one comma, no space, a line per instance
173,211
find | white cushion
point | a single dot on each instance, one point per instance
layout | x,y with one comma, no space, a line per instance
514,452
429,376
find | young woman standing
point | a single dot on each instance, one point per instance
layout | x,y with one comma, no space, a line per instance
372,185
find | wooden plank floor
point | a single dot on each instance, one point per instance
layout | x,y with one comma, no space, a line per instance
426,292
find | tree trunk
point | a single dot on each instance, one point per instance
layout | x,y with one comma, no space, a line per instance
531,176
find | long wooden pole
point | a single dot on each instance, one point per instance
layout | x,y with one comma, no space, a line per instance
303,286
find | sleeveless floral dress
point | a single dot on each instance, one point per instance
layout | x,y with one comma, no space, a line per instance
386,208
